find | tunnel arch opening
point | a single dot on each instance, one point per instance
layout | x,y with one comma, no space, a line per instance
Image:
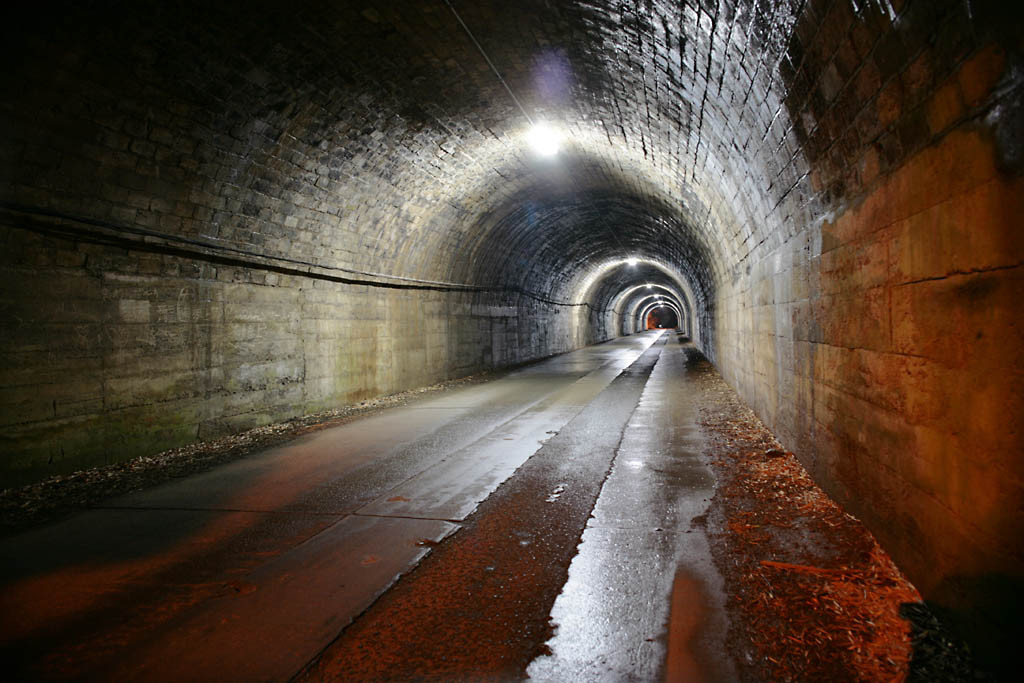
661,317
633,300
622,286
643,313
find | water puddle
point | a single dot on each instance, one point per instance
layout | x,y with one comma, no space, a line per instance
686,616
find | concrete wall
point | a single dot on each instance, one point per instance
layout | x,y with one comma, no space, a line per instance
884,344
112,353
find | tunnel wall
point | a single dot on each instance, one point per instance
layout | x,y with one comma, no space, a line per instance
116,352
882,343
210,225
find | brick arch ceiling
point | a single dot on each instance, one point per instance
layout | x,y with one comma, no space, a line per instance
631,282
379,139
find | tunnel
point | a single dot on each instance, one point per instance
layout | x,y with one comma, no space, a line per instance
661,316
220,217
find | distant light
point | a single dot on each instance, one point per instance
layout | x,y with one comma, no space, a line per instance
649,286
544,140
631,261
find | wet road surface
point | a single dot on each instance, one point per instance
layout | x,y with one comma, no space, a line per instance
645,561
280,564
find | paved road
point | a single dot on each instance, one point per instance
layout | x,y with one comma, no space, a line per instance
251,570
643,600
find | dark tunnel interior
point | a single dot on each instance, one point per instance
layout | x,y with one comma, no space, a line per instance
662,317
221,215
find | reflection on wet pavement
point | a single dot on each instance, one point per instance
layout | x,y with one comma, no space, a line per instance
250,569
644,555
555,524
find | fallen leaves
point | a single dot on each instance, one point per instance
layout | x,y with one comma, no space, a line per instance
812,595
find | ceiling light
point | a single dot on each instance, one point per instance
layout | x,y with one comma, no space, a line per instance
649,286
631,261
544,140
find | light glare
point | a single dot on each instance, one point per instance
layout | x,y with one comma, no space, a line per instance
544,140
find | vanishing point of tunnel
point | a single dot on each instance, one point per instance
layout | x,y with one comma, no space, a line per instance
493,340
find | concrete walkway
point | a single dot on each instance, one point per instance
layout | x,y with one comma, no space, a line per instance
252,570
645,562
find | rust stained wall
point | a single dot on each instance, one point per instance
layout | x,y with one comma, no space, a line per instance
887,349
917,402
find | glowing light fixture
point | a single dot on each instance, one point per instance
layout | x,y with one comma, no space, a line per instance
544,140
631,261
649,286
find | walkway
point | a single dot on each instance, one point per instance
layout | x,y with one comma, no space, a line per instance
251,570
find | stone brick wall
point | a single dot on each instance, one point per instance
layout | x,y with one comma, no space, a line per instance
882,342
112,353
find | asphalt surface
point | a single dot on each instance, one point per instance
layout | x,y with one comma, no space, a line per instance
432,540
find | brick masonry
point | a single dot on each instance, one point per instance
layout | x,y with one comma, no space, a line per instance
214,216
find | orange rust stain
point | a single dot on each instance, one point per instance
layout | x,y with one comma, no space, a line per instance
50,600
685,617
979,74
57,597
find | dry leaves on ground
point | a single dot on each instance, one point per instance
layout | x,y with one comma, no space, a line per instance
812,595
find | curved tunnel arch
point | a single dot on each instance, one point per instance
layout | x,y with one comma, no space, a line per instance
626,303
659,310
566,241
610,284
646,300
653,300
282,208
642,322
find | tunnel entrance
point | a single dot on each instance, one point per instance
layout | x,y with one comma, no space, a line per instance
661,318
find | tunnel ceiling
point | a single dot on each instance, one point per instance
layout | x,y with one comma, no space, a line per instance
378,138
623,285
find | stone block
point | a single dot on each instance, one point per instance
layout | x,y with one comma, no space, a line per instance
854,266
973,311
148,389
979,74
859,320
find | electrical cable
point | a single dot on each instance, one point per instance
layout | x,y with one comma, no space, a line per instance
488,60
129,237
